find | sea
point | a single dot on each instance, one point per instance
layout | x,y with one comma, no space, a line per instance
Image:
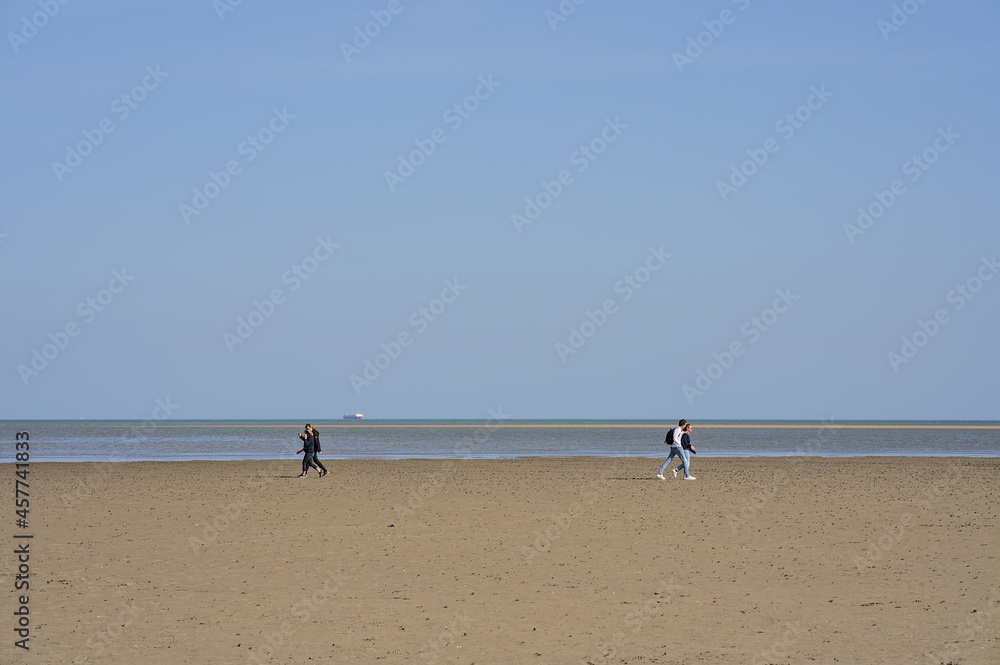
182,440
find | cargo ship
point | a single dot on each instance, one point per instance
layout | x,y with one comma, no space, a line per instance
353,416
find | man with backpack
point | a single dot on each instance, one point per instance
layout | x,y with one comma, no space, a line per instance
675,437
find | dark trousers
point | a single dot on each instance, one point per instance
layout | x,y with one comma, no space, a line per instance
308,460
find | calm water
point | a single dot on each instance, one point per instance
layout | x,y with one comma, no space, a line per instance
117,440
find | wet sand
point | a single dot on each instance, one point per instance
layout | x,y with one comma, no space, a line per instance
790,560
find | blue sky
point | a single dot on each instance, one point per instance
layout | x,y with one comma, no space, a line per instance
640,287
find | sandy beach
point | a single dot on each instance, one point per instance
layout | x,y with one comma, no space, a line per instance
541,561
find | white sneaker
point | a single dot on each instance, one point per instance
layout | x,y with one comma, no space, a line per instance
660,476
690,478
675,473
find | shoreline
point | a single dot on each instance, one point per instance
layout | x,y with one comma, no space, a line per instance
334,458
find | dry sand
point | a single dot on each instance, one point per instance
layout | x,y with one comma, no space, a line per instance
537,561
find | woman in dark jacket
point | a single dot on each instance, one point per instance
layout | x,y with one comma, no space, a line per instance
688,450
311,448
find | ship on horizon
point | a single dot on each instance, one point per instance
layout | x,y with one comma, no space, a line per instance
354,416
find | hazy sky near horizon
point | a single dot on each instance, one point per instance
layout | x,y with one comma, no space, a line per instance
726,209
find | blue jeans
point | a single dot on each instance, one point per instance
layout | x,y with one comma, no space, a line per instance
687,464
677,452
307,461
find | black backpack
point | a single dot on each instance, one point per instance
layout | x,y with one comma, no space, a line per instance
670,436
316,440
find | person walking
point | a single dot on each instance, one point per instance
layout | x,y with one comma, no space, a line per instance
309,448
676,449
688,450
319,449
